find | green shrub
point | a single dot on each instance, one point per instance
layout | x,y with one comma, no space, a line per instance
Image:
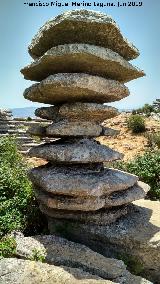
134,111
19,209
136,123
146,109
153,139
29,118
147,167
7,247
133,264
38,255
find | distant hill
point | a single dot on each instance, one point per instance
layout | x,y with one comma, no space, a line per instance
23,112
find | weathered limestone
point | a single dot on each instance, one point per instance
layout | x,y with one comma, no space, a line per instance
82,58
80,182
78,71
67,262
37,130
79,203
5,125
136,236
22,271
100,217
80,111
42,131
82,26
75,151
60,251
74,128
71,87
81,64
19,271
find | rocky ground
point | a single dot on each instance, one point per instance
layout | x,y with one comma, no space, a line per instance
127,143
65,262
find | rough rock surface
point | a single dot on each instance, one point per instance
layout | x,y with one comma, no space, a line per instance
73,111
82,26
106,131
75,151
136,235
76,87
136,192
76,128
60,251
77,182
37,130
19,271
82,58
40,131
100,217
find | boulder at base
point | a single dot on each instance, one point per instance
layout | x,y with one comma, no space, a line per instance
136,235
75,264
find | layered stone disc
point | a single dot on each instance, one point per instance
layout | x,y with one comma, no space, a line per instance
76,181
138,191
100,217
82,58
80,111
74,128
82,26
75,151
72,87
41,131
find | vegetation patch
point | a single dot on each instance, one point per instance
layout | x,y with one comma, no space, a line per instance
136,123
153,140
19,209
133,264
38,255
147,109
147,168
7,247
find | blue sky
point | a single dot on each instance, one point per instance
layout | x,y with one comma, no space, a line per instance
19,23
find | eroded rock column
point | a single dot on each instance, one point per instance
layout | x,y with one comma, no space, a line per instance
81,62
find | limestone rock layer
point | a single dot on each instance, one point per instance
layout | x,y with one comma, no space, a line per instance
81,62
71,87
82,26
82,58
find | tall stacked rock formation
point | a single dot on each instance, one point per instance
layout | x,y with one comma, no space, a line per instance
81,62
6,126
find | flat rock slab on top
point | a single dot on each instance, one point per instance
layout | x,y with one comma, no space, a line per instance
75,182
82,58
74,87
80,111
82,26
77,151
138,191
100,217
